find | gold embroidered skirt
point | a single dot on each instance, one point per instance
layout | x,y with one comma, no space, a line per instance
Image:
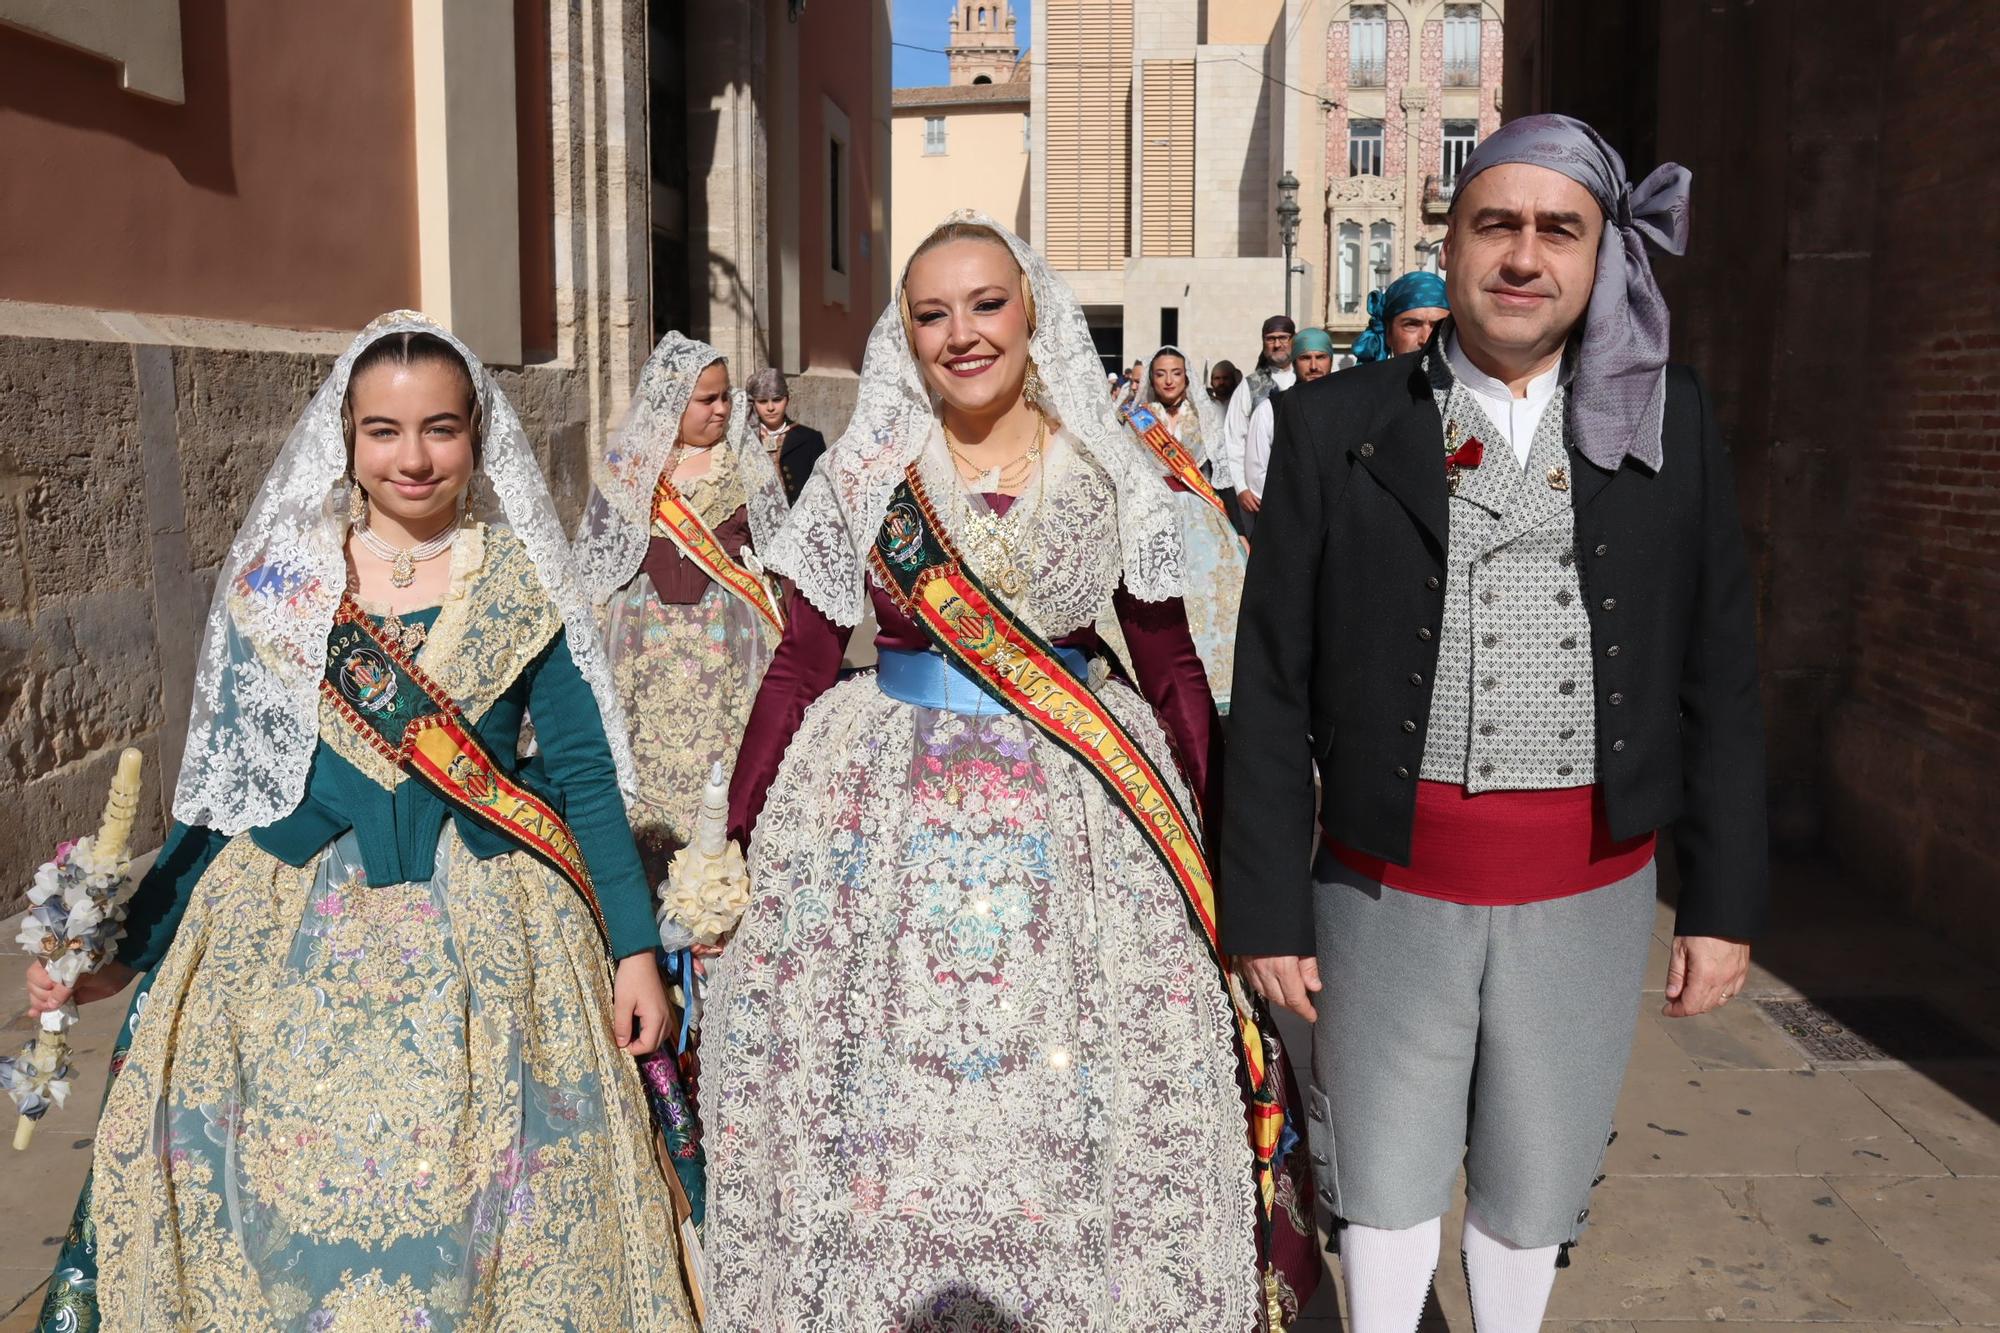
687,676
381,1108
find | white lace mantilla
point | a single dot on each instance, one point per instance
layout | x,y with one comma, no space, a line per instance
255,718
824,547
618,518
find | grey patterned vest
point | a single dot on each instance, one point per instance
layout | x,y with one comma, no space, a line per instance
1513,706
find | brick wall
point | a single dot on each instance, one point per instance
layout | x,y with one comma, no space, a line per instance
1914,760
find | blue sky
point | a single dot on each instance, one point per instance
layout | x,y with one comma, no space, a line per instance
926,23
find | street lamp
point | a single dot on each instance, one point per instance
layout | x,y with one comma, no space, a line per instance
1382,271
1288,227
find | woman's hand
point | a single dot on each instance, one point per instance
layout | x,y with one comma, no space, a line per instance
44,994
636,995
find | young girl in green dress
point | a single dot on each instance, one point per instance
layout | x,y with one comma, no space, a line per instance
381,1074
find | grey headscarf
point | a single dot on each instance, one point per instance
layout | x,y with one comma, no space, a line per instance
1618,398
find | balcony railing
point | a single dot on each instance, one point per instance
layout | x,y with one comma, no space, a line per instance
1366,73
1437,193
1461,73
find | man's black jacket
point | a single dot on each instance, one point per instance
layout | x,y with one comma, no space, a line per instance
1338,643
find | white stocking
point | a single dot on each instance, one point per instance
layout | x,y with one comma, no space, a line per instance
1510,1285
1388,1275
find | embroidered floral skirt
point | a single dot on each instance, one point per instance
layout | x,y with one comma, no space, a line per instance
381,1109
967,1064
1215,564
687,676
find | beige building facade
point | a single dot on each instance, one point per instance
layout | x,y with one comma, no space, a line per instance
1405,90
1161,130
964,144
221,194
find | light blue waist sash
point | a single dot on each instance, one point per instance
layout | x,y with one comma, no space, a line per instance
927,680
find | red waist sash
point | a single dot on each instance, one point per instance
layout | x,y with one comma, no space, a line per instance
1505,848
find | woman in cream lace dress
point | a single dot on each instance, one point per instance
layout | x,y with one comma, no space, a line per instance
967,1063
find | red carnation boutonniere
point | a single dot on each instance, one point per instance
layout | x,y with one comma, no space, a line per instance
1467,455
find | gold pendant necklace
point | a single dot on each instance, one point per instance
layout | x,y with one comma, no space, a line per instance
992,540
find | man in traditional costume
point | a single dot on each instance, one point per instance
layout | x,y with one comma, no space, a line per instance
1312,358
1499,601
1273,371
1401,317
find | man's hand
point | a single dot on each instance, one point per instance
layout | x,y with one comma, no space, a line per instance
636,995
1248,499
1286,980
1704,973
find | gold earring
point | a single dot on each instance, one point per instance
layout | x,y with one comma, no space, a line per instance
357,505
1032,388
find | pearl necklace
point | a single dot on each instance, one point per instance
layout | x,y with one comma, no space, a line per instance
403,561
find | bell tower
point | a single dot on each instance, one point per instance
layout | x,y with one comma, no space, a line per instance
982,47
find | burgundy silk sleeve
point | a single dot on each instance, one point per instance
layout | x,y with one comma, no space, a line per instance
1173,681
805,666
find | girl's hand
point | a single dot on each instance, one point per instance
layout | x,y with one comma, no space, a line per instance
44,994
636,995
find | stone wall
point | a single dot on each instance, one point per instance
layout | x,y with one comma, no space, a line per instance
124,471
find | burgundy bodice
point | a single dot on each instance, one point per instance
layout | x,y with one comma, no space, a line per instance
678,580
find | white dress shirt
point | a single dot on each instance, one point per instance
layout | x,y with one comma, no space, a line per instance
1516,418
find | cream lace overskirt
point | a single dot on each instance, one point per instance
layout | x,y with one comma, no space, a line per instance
967,1063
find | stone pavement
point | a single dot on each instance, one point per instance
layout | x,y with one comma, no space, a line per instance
1750,1182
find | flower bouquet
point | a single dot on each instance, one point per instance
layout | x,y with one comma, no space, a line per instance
76,912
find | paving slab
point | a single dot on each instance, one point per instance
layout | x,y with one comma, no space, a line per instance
1757,1123
1944,1231
1944,1110
1770,1248
1737,1036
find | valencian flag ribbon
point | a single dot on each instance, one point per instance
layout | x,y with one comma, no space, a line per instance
1180,464
675,520
930,582
404,716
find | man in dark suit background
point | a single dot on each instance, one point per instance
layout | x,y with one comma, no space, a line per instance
1498,599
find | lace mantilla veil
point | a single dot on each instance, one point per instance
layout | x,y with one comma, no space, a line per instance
255,720
618,519
824,548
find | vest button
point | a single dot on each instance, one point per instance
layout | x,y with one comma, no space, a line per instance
1563,598
1618,747
1609,604
1490,640
1367,451
1612,651
1486,770
1565,733
1488,683
1569,640
1564,770
1416,678
1431,583
1424,633
1402,772
1487,729
1616,698
1567,687
1409,725
1602,549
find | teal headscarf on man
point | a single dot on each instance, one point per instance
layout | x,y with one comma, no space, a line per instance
1412,291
